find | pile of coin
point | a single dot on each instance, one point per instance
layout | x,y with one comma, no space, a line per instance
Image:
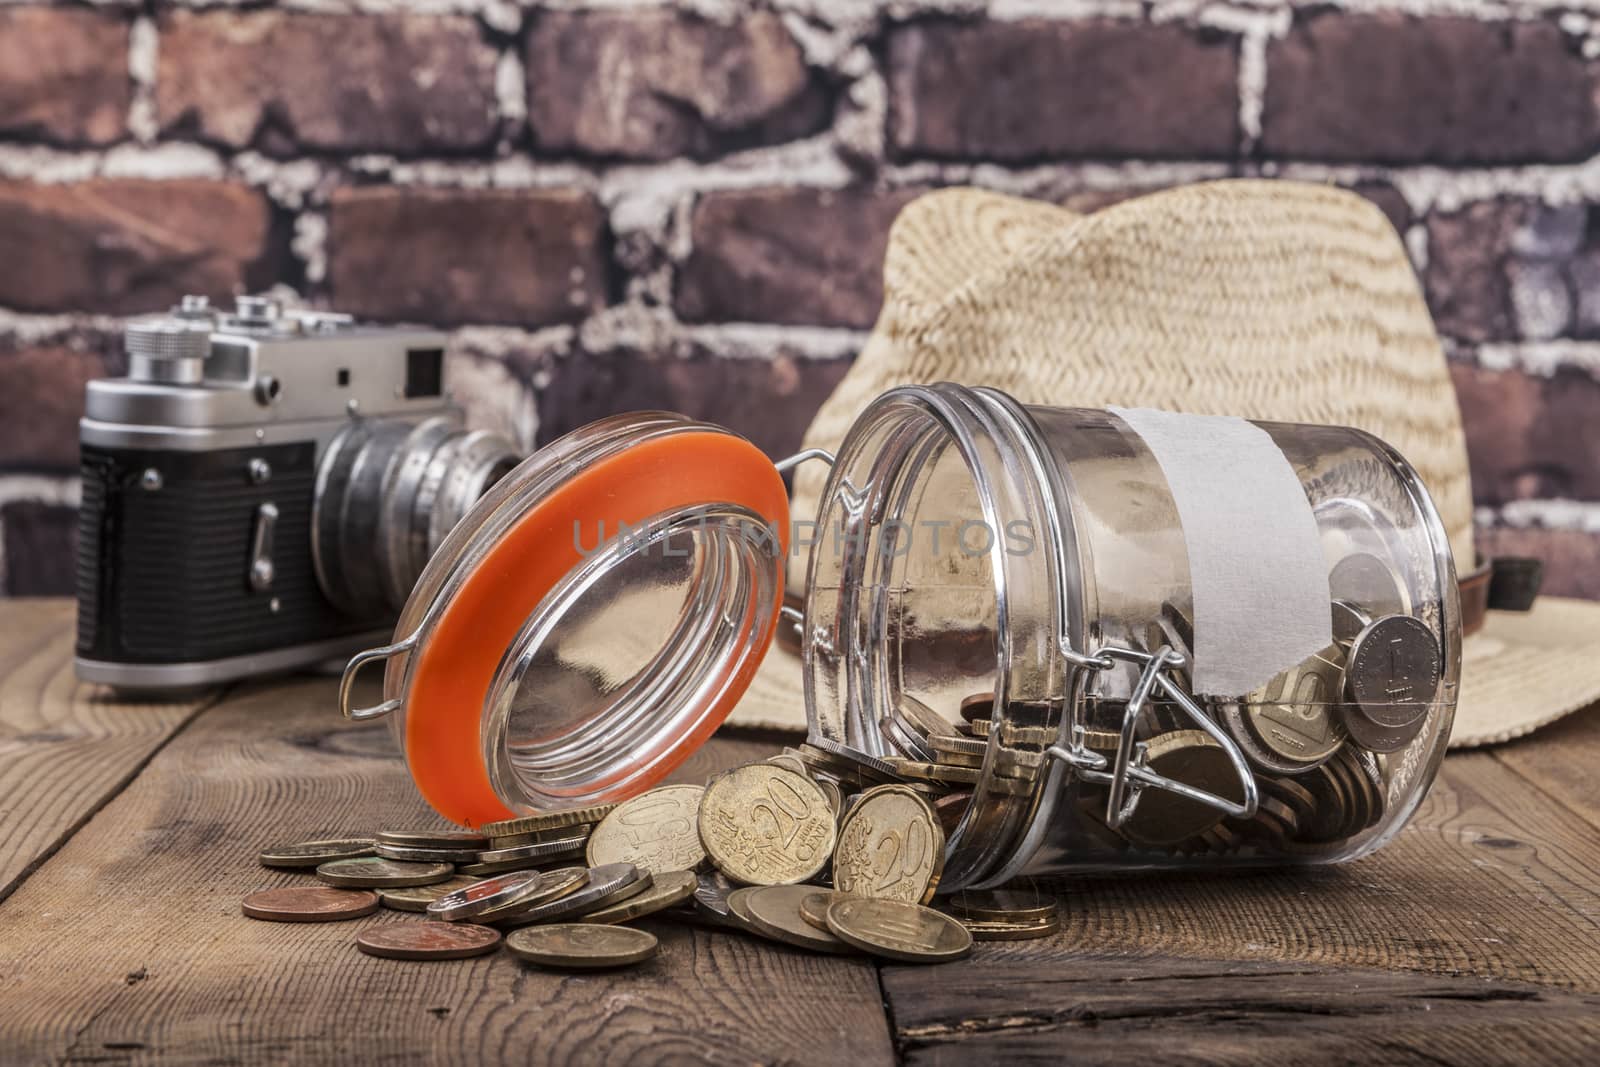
812,848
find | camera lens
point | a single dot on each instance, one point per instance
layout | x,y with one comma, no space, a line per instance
388,492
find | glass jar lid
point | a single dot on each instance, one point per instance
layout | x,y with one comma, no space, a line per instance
589,622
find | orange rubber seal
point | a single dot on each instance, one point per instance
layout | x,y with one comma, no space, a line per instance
455,667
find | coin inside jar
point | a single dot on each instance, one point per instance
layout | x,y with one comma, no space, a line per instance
1193,758
766,825
428,941
1394,670
657,831
1291,723
309,904
891,845
582,946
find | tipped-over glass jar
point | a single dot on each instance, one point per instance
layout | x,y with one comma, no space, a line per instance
1034,613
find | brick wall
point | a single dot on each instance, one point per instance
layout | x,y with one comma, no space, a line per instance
615,204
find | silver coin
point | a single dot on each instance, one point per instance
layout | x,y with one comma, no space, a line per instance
1369,583
464,840
1376,737
560,848
607,884
1348,621
427,855
491,893
1393,672
1235,719
315,853
375,872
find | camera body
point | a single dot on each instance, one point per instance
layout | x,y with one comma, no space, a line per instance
261,491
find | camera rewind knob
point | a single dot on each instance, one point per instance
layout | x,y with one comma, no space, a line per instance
167,348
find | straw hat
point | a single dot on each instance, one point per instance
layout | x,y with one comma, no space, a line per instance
1272,300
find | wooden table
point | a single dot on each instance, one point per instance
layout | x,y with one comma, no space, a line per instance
128,834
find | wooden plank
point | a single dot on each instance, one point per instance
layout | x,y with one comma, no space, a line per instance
1088,1009
1490,880
65,748
130,939
1561,760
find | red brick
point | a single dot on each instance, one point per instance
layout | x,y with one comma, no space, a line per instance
1468,290
41,400
791,256
529,257
40,544
770,401
63,75
1017,91
1397,89
1530,437
1571,557
657,85
121,246
393,83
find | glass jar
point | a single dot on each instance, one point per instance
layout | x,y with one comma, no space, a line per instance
1029,569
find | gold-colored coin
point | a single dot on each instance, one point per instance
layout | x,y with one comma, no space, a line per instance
789,761
996,930
667,889
1019,905
658,831
417,898
774,911
766,825
814,907
896,930
548,820
891,846
1193,758
582,946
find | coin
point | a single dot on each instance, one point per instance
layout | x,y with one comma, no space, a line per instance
667,890
814,907
845,762
548,820
1348,621
1367,582
835,795
997,930
977,706
1394,670
473,900
603,886
790,762
943,773
711,896
462,840
774,911
1375,737
417,898
764,825
559,848
954,744
893,929
1193,758
309,904
890,845
582,945
553,885
539,837
426,855
375,872
657,831
950,809
1018,905
1293,715
428,940
315,853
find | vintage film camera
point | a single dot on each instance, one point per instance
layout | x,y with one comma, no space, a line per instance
262,491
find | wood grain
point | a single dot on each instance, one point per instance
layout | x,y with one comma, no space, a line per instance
65,748
129,941
1562,760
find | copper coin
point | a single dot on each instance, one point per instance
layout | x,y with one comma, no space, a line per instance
977,706
309,904
428,940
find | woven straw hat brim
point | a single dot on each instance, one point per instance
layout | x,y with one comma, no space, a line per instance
1271,300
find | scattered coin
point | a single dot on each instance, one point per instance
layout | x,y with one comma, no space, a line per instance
484,895
774,912
549,820
375,872
657,831
893,929
426,855
428,940
315,853
765,825
711,896
995,930
603,886
582,945
666,890
539,852
459,840
309,904
1018,905
891,845
814,906
417,898
539,837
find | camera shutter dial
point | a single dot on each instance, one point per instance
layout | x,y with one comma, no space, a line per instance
167,348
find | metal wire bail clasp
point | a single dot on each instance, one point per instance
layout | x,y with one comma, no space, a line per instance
1128,764
347,681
